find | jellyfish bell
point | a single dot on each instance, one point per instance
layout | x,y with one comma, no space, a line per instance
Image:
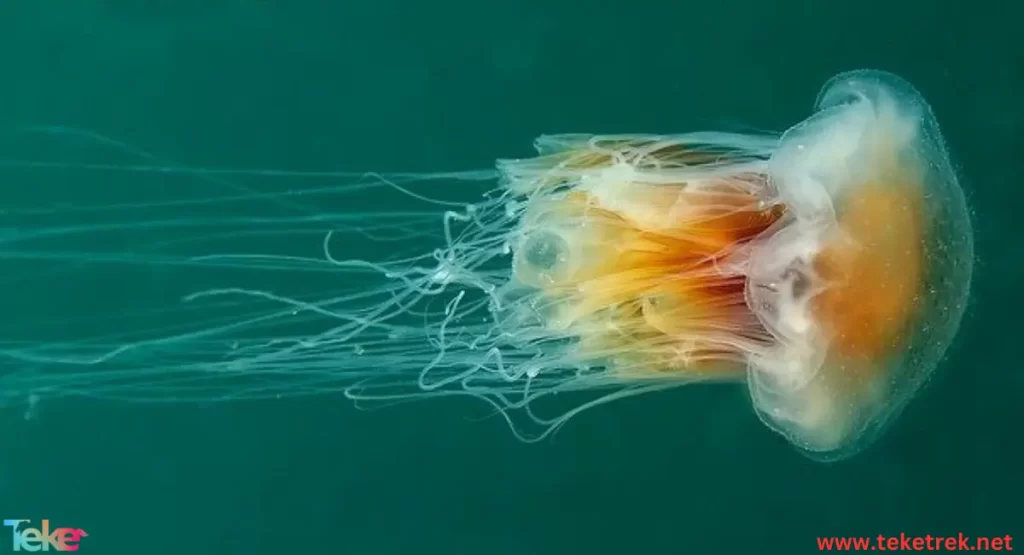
866,285
831,266
827,269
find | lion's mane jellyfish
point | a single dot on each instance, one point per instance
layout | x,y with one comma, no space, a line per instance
826,268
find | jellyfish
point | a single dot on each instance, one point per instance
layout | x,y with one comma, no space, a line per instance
825,269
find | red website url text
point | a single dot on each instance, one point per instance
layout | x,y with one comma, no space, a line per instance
904,542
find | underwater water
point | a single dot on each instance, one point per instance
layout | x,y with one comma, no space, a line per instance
316,86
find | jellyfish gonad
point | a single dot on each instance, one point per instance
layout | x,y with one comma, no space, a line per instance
826,268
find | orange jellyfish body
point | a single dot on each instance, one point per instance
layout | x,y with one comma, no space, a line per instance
829,267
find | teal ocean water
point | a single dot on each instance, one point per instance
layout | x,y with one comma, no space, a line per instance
452,85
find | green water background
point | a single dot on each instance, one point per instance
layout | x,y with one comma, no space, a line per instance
448,85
